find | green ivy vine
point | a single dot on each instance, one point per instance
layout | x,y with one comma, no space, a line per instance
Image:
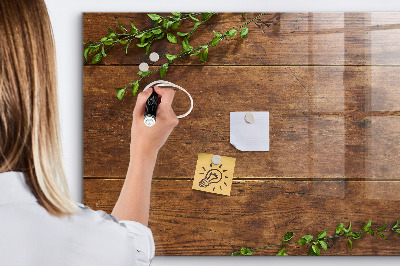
318,243
163,27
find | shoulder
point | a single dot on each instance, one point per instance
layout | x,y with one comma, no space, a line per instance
137,237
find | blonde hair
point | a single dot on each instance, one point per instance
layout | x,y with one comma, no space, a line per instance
29,119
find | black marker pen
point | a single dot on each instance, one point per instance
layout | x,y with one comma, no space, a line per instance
151,109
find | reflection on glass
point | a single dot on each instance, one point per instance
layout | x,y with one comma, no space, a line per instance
383,148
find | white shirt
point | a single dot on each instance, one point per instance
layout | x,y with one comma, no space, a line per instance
29,235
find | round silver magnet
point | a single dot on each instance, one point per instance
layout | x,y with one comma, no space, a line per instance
154,57
249,118
216,159
144,67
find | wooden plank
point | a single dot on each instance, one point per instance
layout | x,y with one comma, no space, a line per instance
277,39
189,222
307,107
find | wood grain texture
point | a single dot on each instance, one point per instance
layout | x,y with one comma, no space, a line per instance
330,82
316,121
189,222
275,39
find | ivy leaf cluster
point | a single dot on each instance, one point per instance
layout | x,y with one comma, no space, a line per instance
163,27
318,244
201,51
126,35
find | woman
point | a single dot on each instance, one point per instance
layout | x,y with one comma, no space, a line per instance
39,223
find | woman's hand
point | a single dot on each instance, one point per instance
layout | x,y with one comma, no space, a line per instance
151,139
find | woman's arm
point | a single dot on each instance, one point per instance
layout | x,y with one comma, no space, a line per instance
134,200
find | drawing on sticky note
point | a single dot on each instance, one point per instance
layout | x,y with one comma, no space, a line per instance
214,178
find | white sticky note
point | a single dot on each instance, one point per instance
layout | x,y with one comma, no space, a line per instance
246,136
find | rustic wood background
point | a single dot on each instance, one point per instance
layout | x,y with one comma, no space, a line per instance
331,84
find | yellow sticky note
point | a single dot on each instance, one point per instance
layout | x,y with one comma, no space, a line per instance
214,178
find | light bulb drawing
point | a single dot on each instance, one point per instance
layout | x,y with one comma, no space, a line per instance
213,176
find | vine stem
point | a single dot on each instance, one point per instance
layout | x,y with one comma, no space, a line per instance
325,238
195,49
131,37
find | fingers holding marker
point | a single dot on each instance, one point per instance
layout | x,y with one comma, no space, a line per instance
167,95
141,102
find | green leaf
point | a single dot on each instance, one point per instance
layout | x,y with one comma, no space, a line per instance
382,228
339,228
122,42
355,235
103,39
288,236
169,24
396,225
121,27
215,41
170,57
244,15
163,70
351,244
195,19
103,53
196,53
308,238
316,250
322,234
398,232
206,16
159,37
111,35
154,16
157,31
126,49
182,34
175,25
171,38
305,239
164,23
135,88
367,226
148,49
176,14
195,25
132,31
282,252
148,34
133,27
217,34
236,253
348,229
323,245
311,252
302,241
140,35
382,235
94,49
96,59
245,251
231,33
142,44
244,32
204,54
120,93
85,53
185,44
109,42
371,232
143,74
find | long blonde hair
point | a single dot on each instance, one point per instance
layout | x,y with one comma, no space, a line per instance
29,119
